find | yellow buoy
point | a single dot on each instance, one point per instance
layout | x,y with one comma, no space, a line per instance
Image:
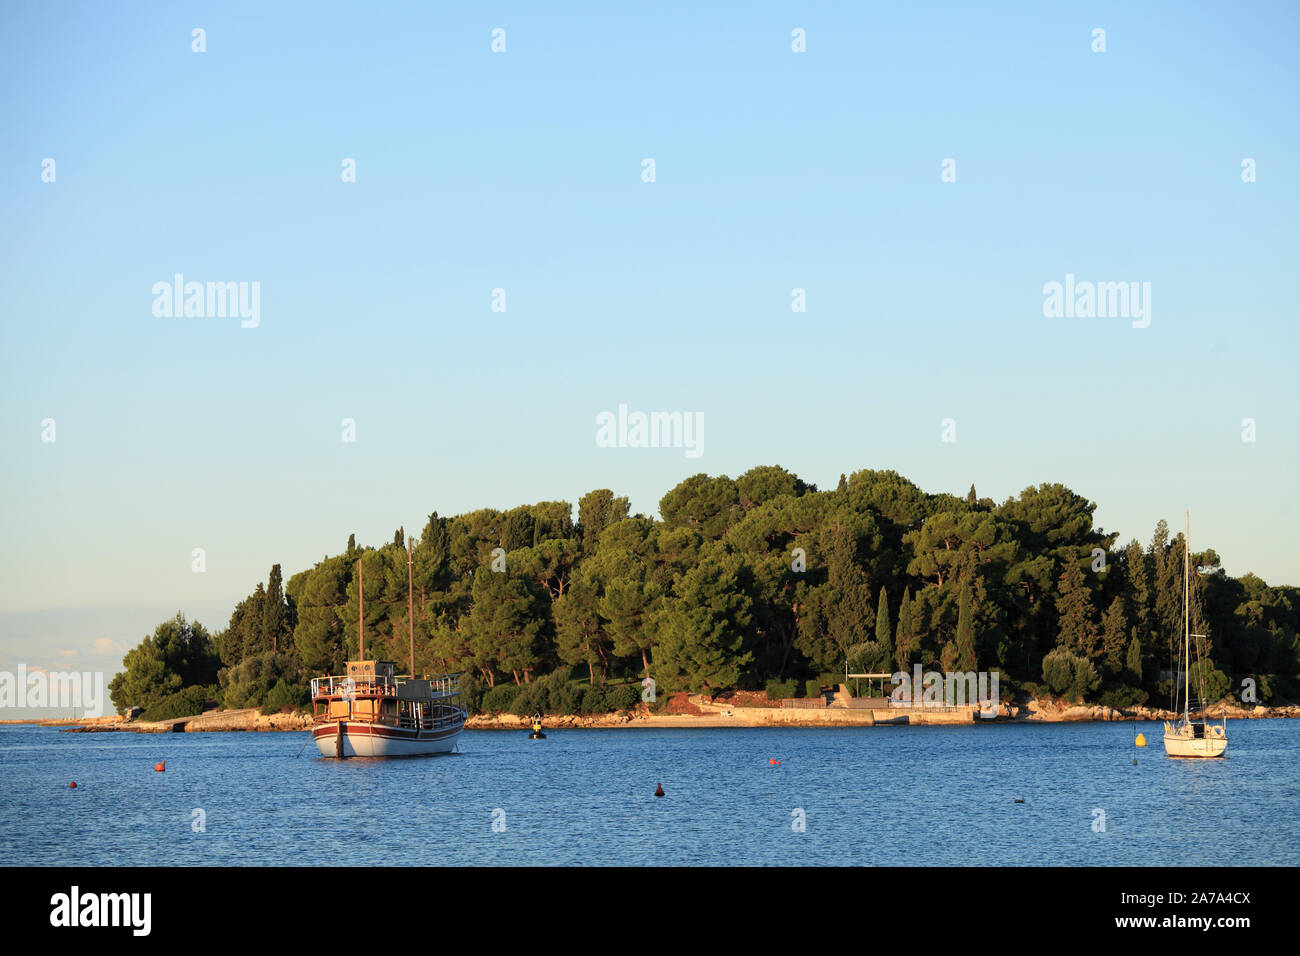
1140,740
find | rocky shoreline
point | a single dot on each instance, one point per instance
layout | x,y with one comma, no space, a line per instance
1058,712
704,714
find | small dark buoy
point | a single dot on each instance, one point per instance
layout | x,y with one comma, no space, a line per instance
1018,800
659,790
1135,761
160,766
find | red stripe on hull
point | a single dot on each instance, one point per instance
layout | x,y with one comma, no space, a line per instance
391,733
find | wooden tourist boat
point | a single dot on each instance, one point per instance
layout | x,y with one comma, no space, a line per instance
374,712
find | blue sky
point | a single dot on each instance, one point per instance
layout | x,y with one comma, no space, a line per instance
522,170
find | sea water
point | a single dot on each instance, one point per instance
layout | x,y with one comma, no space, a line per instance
871,796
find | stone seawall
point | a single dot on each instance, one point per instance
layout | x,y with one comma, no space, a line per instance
250,719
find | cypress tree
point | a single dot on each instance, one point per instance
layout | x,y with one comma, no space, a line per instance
905,643
884,644
273,611
965,660
252,625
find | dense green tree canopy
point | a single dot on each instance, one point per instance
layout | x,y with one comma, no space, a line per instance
744,581
178,654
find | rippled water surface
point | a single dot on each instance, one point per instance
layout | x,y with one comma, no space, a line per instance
883,796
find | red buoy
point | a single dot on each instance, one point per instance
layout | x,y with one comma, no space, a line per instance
772,761
659,790
160,766
73,785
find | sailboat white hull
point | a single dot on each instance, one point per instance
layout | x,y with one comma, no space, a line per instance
1186,737
1179,742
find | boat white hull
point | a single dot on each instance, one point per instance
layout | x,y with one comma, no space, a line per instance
359,739
1180,746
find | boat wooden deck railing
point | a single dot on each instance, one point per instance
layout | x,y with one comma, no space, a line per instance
448,686
431,723
342,686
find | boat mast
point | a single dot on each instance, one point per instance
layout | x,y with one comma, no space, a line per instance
1187,627
410,597
361,614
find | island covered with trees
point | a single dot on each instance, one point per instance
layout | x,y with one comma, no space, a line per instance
762,581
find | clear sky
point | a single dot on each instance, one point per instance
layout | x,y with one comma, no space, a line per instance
523,171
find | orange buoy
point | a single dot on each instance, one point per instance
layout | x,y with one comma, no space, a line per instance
160,766
73,785
659,790
772,761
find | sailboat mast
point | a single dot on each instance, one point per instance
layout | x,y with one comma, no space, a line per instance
361,614
410,597
1187,627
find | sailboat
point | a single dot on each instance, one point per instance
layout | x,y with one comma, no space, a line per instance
1185,737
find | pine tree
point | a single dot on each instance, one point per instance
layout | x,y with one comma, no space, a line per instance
352,542
597,510
623,609
970,495
579,637
1114,636
850,605
701,629
1133,664
1160,541
1138,588
843,485
1077,627
505,623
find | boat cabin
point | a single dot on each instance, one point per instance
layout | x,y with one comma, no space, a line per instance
372,692
370,671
